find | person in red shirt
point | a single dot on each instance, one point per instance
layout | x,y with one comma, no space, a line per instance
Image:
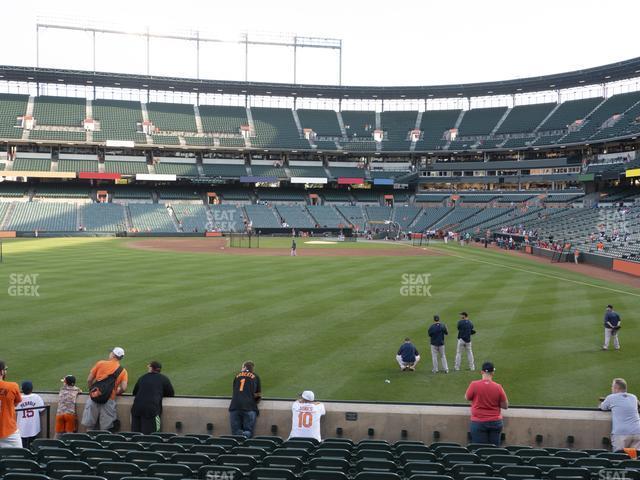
487,399
9,398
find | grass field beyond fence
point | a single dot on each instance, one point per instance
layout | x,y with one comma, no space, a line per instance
329,324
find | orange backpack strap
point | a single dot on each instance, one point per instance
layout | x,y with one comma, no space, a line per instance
632,452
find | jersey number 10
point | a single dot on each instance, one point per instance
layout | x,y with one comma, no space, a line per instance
305,420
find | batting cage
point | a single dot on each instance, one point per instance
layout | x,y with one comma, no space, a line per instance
244,240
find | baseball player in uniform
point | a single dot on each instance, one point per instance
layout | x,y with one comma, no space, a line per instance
436,332
612,324
465,330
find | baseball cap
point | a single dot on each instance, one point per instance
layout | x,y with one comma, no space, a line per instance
308,396
436,318
464,313
118,352
155,365
488,367
69,380
27,386
610,306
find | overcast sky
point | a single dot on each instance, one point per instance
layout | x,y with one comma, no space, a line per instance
384,43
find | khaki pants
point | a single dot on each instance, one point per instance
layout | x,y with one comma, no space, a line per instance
438,352
608,333
404,365
462,345
101,414
618,442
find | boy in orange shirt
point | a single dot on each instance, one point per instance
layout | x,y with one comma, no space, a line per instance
66,418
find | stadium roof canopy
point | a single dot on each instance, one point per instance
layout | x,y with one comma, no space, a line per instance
578,78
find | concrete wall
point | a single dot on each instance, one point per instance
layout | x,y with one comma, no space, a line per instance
522,425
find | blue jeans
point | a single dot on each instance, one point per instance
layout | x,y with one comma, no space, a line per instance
243,422
486,432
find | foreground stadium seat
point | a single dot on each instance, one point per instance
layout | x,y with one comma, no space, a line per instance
569,473
244,463
498,461
106,438
67,437
413,456
118,470
124,446
593,464
532,452
167,449
374,454
377,476
16,453
293,464
266,444
144,459
519,472
323,475
451,459
226,443
329,463
375,465
19,465
464,470
39,443
547,463
484,452
82,477
186,441
271,474
25,476
445,449
94,456
192,460
428,476
147,438
211,451
79,445
425,468
255,452
60,468
613,456
46,454
472,447
411,447
169,471
301,453
332,453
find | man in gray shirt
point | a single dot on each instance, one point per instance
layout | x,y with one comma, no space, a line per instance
625,421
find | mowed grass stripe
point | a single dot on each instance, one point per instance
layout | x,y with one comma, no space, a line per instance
330,324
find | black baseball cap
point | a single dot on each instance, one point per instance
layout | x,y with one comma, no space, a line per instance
436,318
464,313
610,306
27,387
69,380
488,367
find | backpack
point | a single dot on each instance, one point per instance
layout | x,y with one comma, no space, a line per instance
100,392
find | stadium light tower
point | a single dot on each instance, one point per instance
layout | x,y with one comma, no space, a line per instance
197,37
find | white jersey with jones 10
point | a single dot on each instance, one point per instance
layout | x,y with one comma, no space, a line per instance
305,421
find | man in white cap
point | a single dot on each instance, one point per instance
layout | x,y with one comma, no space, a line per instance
106,380
306,414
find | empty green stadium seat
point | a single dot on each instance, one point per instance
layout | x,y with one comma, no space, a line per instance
11,107
172,116
118,120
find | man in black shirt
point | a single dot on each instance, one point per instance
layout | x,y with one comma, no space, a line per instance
149,391
243,409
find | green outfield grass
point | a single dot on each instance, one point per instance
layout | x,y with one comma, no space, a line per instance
330,324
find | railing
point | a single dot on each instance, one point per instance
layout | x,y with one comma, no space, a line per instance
46,408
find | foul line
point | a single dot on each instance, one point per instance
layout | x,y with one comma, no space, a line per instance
548,275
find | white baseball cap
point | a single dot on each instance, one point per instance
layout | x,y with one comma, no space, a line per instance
118,352
308,396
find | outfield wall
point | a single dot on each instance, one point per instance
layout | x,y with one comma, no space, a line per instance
388,421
